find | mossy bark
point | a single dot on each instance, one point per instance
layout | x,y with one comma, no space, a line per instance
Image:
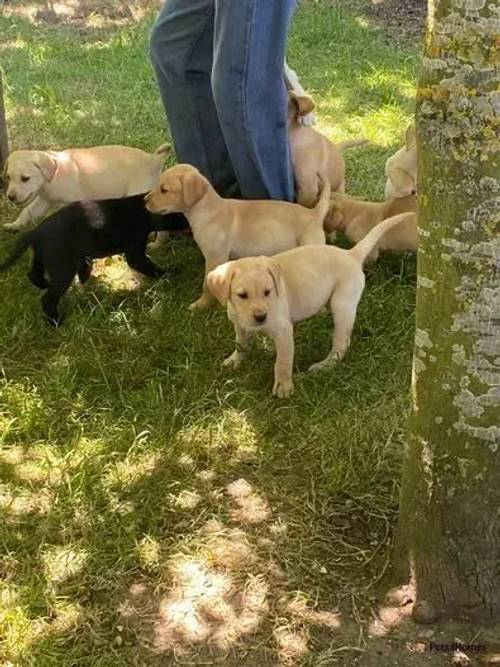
449,529
4,148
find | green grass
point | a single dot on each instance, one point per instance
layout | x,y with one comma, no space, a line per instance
120,434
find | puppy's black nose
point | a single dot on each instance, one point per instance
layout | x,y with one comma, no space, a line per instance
260,317
11,197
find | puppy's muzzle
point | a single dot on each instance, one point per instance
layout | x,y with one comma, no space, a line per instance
260,318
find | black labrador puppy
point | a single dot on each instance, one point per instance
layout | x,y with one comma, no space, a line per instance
66,242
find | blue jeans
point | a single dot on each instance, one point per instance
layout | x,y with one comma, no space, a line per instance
219,65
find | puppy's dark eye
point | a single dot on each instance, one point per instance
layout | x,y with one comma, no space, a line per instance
243,295
267,292
25,179
163,189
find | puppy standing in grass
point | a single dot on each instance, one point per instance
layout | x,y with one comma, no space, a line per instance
40,180
231,228
355,218
314,157
270,294
66,242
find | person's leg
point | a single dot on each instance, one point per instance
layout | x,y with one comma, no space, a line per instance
181,49
250,93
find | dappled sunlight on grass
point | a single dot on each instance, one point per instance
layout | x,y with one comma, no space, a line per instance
63,563
187,499
81,14
249,506
116,274
219,590
231,435
120,474
383,126
15,504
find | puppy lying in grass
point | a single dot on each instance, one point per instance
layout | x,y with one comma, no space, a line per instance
41,180
231,228
314,157
401,168
355,218
65,244
270,294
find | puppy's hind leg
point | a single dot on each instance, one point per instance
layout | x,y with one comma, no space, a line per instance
242,339
60,282
37,274
343,304
141,263
85,270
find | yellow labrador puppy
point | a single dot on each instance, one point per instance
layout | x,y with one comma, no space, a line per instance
355,218
231,228
315,158
270,294
40,180
401,168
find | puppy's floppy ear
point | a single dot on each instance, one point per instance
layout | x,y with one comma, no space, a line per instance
276,274
219,281
194,186
302,103
401,179
47,165
411,137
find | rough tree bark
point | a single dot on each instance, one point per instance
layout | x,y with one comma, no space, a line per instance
4,148
449,529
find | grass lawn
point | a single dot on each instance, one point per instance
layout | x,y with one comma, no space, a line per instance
153,506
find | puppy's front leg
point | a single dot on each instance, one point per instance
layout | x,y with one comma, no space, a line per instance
283,340
36,209
242,338
206,297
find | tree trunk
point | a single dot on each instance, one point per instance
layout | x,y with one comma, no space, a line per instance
449,528
4,149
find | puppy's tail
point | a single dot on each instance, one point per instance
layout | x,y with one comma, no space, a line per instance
163,149
323,204
23,243
362,249
351,143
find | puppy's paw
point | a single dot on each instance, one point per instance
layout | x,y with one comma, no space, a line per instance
13,226
322,365
54,321
233,361
283,388
200,304
157,240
